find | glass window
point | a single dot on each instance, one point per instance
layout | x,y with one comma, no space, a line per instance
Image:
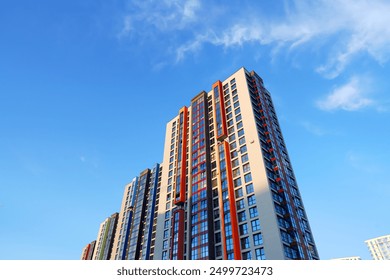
260,255
247,255
241,141
240,204
241,216
243,149
244,158
251,200
249,188
246,167
253,212
218,237
237,182
240,132
255,225
245,243
243,229
247,178
239,193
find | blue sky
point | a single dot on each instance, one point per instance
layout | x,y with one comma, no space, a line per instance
87,87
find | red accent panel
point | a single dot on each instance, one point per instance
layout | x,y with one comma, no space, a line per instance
232,201
86,252
180,239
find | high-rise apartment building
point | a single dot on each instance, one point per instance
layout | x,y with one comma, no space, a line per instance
379,247
135,232
228,190
88,251
105,238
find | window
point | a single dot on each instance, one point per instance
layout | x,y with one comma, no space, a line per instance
243,149
218,250
165,255
239,193
165,244
204,238
251,200
166,233
236,172
246,167
238,118
241,216
247,178
240,204
235,163
245,243
237,182
218,237
194,242
194,254
241,141
255,225
258,239
260,255
253,212
240,132
203,226
237,111
244,158
243,229
247,255
249,188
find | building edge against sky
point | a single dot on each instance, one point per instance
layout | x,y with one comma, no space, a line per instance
379,247
225,188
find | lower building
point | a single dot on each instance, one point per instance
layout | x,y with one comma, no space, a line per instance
105,238
135,235
379,247
88,251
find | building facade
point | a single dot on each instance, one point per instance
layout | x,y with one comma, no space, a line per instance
88,251
228,190
105,238
135,232
379,247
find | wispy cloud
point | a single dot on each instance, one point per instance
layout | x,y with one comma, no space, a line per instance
314,128
349,27
343,29
162,15
348,97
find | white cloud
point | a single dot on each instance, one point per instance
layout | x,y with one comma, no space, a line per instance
314,129
351,27
160,15
349,97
